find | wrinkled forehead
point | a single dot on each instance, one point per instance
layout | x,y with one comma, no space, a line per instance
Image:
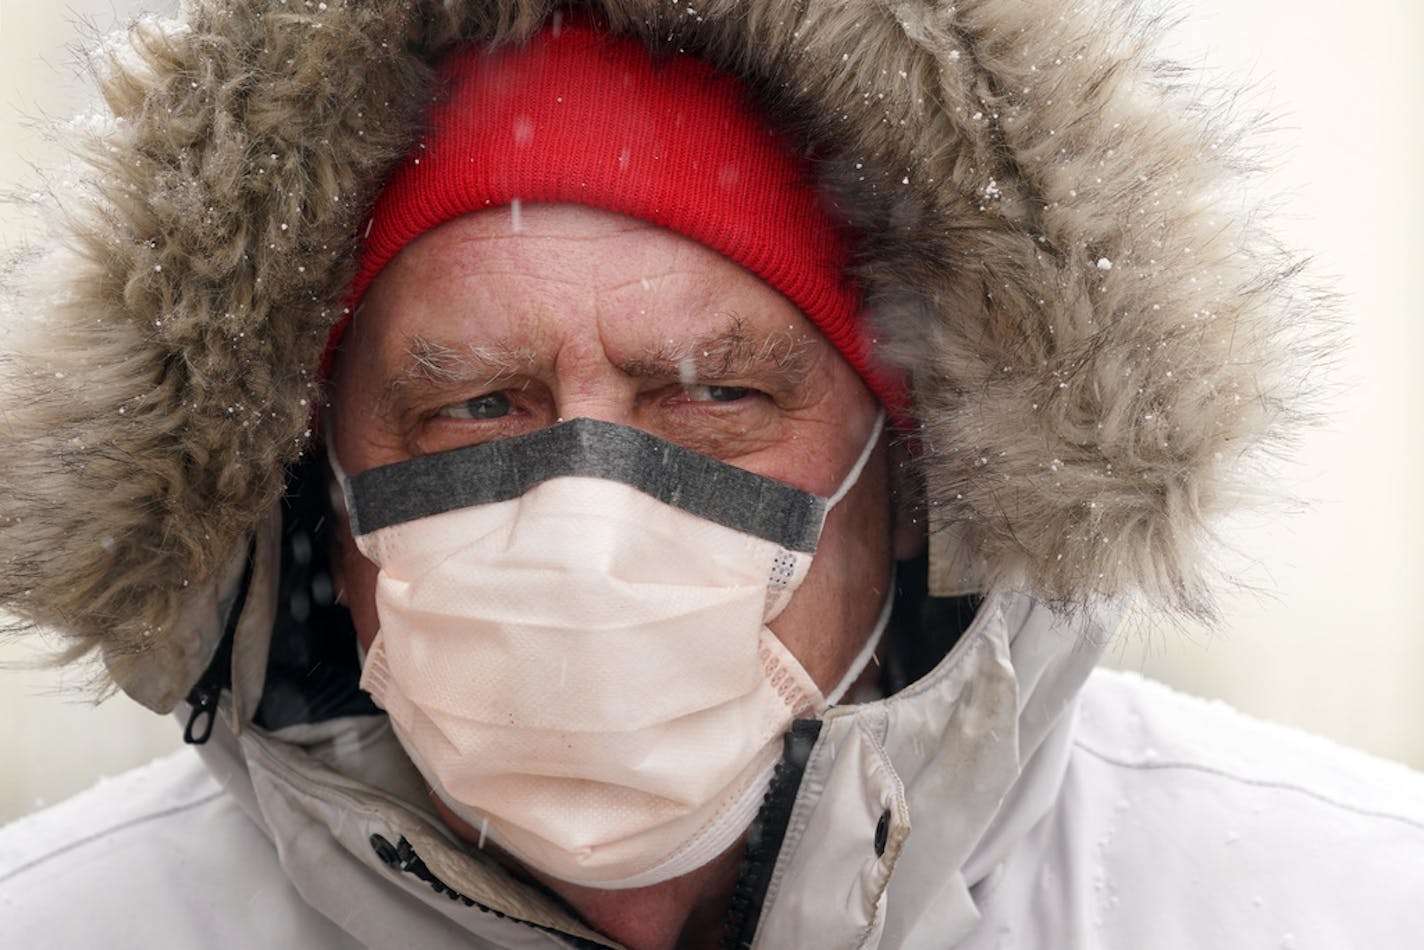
497,294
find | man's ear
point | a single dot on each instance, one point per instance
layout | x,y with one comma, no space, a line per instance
909,526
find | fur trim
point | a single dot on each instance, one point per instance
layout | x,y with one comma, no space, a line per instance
1096,330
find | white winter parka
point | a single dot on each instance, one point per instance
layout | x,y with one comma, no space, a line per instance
1023,812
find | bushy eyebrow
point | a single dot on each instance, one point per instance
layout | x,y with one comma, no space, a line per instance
429,365
733,351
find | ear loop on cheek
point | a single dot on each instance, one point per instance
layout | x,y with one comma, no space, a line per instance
779,598
853,475
877,632
333,463
867,652
340,502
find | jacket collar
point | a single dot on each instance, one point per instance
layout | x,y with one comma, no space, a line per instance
948,775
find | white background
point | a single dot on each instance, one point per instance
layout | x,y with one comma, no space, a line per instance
1334,640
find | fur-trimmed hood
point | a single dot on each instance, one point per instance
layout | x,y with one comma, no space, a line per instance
1053,245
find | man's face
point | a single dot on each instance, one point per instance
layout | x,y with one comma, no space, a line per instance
493,325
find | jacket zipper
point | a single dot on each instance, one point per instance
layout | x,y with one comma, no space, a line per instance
402,857
766,835
204,695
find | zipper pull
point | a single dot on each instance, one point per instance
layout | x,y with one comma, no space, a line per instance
204,700
204,695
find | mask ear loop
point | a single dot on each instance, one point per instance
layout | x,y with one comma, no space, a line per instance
778,596
867,652
872,642
853,475
339,473
333,463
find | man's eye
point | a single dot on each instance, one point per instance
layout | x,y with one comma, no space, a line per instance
488,406
718,393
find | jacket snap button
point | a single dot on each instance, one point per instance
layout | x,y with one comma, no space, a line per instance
385,850
882,832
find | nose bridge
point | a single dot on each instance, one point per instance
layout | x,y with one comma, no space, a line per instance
589,386
587,383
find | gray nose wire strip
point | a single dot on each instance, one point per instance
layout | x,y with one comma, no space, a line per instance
505,469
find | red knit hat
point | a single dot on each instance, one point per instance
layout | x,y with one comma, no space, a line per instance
576,115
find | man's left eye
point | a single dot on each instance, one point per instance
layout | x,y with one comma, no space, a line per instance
489,406
718,393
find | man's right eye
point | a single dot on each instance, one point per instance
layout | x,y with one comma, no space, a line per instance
489,406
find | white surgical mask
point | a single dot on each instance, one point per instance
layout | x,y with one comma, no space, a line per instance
573,644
